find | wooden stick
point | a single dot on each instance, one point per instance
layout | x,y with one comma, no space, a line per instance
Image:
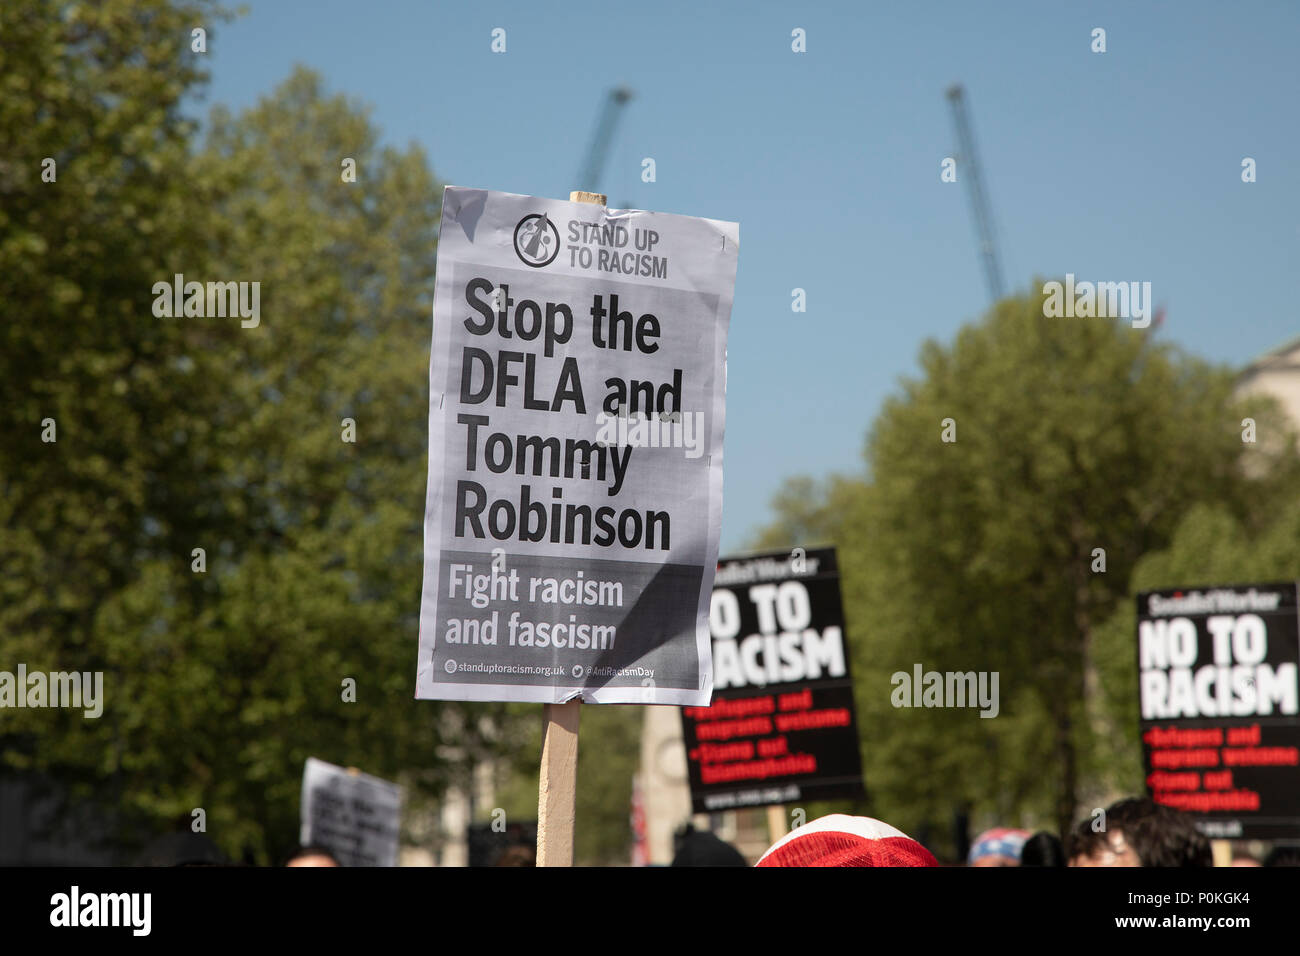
557,785
1221,851
776,825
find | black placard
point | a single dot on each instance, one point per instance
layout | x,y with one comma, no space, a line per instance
782,726
1219,700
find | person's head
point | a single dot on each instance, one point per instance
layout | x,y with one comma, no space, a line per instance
1283,856
841,840
184,848
311,856
1042,849
701,848
520,854
1140,832
997,847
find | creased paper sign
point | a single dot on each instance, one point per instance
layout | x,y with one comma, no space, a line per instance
577,385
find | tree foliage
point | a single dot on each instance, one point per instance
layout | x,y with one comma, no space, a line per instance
978,554
182,433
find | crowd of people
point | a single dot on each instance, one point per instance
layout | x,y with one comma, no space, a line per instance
1131,832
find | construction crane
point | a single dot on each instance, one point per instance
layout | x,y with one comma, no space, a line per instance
589,179
968,163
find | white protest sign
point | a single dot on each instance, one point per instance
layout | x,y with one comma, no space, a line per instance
354,815
577,384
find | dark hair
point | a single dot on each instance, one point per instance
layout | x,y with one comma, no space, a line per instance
1283,856
311,849
1159,835
183,848
1043,849
520,854
702,848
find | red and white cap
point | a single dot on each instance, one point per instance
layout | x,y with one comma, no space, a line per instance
842,840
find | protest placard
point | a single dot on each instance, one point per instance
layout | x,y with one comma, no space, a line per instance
577,382
782,726
354,815
1220,706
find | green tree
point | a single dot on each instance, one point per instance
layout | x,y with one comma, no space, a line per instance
808,512
978,554
184,433
95,207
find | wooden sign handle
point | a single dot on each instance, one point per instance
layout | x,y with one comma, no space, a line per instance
777,826
557,784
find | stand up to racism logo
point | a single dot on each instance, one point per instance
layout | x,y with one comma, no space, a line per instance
537,241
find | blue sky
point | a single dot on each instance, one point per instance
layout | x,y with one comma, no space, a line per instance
1117,166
